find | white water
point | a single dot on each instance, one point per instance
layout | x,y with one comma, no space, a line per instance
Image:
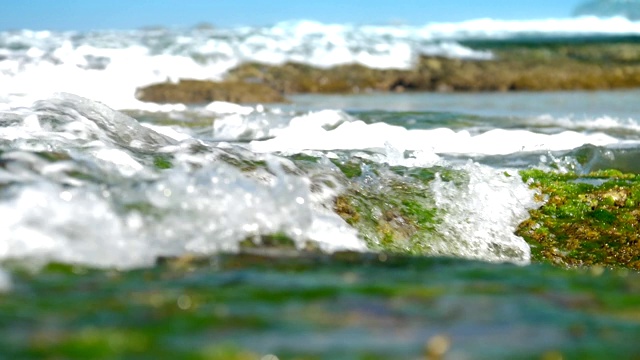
305,134
199,206
481,217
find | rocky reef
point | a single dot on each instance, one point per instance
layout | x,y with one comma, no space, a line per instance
517,65
199,91
586,220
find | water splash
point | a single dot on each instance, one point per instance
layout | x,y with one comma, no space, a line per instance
480,215
82,183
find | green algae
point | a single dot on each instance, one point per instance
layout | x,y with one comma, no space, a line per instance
162,162
392,207
242,163
351,168
586,220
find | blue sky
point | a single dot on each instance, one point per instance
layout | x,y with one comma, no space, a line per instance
131,14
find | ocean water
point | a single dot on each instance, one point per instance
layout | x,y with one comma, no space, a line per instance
91,177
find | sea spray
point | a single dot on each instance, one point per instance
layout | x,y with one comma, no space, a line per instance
481,213
84,184
468,211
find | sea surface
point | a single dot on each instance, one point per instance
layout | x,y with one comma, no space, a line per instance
96,188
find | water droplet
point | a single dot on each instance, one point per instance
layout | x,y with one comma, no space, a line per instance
66,196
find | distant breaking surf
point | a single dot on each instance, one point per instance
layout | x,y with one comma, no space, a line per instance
110,65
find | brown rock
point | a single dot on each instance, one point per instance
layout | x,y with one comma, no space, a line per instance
201,91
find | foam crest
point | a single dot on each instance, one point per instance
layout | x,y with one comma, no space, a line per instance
88,121
203,212
306,135
602,123
496,29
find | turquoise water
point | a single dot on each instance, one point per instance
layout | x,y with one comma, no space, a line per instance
575,104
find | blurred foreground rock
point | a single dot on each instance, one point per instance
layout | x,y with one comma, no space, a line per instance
589,64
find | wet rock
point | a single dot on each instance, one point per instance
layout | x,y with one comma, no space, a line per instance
201,91
292,78
582,222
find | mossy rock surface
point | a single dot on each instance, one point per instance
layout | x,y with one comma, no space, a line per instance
586,220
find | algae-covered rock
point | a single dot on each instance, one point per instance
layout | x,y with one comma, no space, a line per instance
201,91
586,220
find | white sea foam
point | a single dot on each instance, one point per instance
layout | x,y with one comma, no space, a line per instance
496,29
601,123
223,107
303,134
